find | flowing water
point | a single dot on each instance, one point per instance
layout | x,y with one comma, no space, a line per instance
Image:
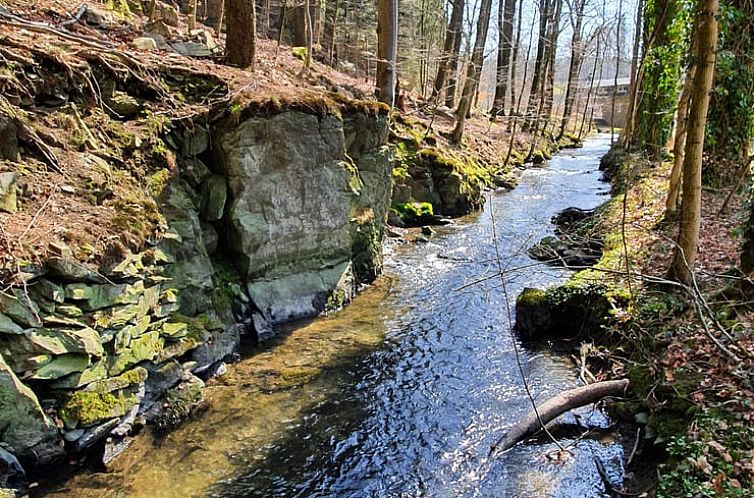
402,393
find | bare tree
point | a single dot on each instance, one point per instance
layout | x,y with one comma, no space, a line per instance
240,44
474,71
387,50
505,13
452,34
577,51
679,142
191,16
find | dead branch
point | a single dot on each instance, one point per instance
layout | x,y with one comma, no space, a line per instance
556,406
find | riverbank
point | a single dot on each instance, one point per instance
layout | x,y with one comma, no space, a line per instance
403,391
691,398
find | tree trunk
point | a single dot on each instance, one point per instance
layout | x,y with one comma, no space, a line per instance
617,70
505,13
452,76
242,32
387,50
451,34
636,69
551,54
545,14
591,85
671,204
220,19
309,31
191,17
514,58
556,406
691,202
474,71
328,31
574,68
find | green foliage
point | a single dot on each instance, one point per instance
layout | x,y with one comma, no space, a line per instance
730,126
709,462
670,19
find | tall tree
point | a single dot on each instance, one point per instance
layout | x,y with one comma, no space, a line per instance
329,30
637,71
387,50
679,143
550,59
618,52
191,16
538,75
452,34
691,202
505,14
240,43
474,71
514,56
577,52
455,55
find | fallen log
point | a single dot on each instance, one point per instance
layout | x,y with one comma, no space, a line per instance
556,406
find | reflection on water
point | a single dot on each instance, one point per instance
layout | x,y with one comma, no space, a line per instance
402,393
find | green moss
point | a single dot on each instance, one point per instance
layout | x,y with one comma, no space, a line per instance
300,53
179,403
158,182
88,408
415,212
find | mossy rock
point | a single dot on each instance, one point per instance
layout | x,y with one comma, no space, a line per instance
415,213
85,408
179,402
566,311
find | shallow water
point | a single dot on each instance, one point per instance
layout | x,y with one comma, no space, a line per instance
403,392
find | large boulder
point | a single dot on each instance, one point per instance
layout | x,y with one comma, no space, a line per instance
298,183
573,310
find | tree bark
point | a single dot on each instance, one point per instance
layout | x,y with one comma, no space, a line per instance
545,14
387,50
242,33
557,406
691,202
514,58
505,14
329,29
452,76
451,34
679,145
577,50
191,17
636,71
551,54
309,31
474,71
617,70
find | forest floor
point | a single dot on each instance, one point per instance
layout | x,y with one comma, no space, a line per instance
688,352
70,200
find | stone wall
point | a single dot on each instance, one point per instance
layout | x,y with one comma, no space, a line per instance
269,218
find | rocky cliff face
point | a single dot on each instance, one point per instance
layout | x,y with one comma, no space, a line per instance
267,217
308,195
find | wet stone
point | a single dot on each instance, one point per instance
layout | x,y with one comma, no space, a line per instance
20,309
62,365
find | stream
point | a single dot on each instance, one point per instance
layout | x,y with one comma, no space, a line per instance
404,391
